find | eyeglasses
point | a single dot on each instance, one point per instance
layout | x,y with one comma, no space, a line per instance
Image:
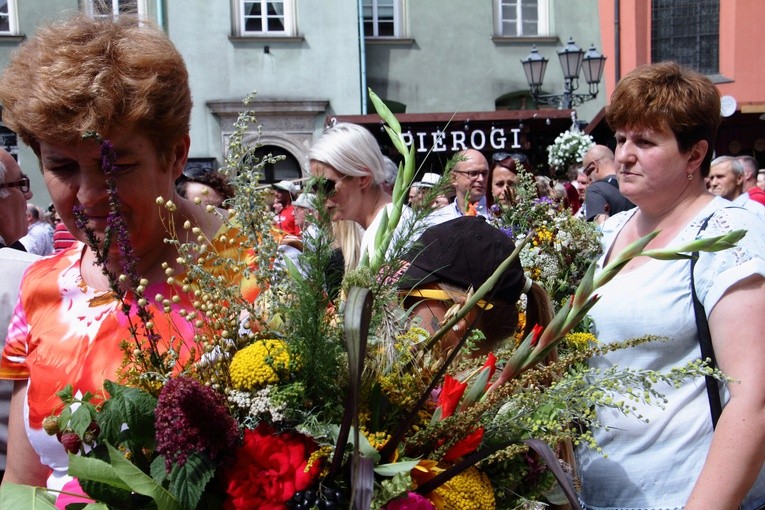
325,187
22,184
501,156
472,174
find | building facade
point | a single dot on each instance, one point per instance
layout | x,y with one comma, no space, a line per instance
310,61
714,37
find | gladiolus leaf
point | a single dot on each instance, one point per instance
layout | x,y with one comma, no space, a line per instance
395,468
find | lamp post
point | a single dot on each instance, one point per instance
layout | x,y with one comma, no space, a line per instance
572,60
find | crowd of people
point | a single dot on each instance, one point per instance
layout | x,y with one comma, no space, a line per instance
660,176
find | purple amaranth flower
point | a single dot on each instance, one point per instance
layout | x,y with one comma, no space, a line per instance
192,418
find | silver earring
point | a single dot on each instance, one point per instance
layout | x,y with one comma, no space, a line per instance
690,177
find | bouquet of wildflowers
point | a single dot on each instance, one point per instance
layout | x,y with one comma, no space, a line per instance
296,400
562,247
568,149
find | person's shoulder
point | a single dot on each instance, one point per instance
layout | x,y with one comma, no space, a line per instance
601,186
757,195
724,216
12,255
441,215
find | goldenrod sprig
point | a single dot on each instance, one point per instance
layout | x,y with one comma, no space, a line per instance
540,342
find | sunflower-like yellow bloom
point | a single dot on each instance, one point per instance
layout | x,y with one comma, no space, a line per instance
259,364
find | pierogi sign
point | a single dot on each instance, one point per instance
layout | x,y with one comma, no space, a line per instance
460,139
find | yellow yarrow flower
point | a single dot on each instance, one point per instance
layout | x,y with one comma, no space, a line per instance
543,236
259,364
469,490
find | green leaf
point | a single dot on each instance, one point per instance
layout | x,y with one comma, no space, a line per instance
63,418
95,470
188,482
358,313
95,506
398,142
476,389
129,406
396,467
25,496
80,420
383,111
140,482
157,470
106,494
66,394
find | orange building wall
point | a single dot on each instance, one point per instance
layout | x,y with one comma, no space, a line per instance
742,59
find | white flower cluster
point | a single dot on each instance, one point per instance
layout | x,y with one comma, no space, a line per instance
258,404
568,149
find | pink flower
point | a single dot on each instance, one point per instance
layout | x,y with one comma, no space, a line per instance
412,501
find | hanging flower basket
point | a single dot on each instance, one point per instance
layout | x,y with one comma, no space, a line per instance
568,149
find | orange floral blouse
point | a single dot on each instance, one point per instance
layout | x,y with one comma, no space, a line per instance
64,332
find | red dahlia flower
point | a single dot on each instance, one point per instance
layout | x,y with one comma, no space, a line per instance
269,469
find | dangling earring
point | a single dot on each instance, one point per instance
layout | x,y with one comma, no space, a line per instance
690,177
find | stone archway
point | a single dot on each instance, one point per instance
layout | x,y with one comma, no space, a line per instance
287,124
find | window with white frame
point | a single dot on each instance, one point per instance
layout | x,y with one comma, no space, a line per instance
113,8
266,18
8,23
522,18
383,18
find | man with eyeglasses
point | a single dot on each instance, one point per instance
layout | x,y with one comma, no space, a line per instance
603,198
469,180
14,193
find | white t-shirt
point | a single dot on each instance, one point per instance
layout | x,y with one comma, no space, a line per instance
404,228
654,465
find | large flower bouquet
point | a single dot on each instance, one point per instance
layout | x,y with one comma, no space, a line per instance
562,247
295,400
568,149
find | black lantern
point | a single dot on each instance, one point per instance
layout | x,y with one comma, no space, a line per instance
593,65
572,60
534,65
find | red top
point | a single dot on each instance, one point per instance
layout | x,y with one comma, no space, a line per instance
62,238
757,195
285,221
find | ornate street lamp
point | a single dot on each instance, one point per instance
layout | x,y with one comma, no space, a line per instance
572,60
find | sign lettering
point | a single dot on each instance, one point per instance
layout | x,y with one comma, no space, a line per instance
462,139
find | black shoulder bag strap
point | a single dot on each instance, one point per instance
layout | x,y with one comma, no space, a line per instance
705,339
